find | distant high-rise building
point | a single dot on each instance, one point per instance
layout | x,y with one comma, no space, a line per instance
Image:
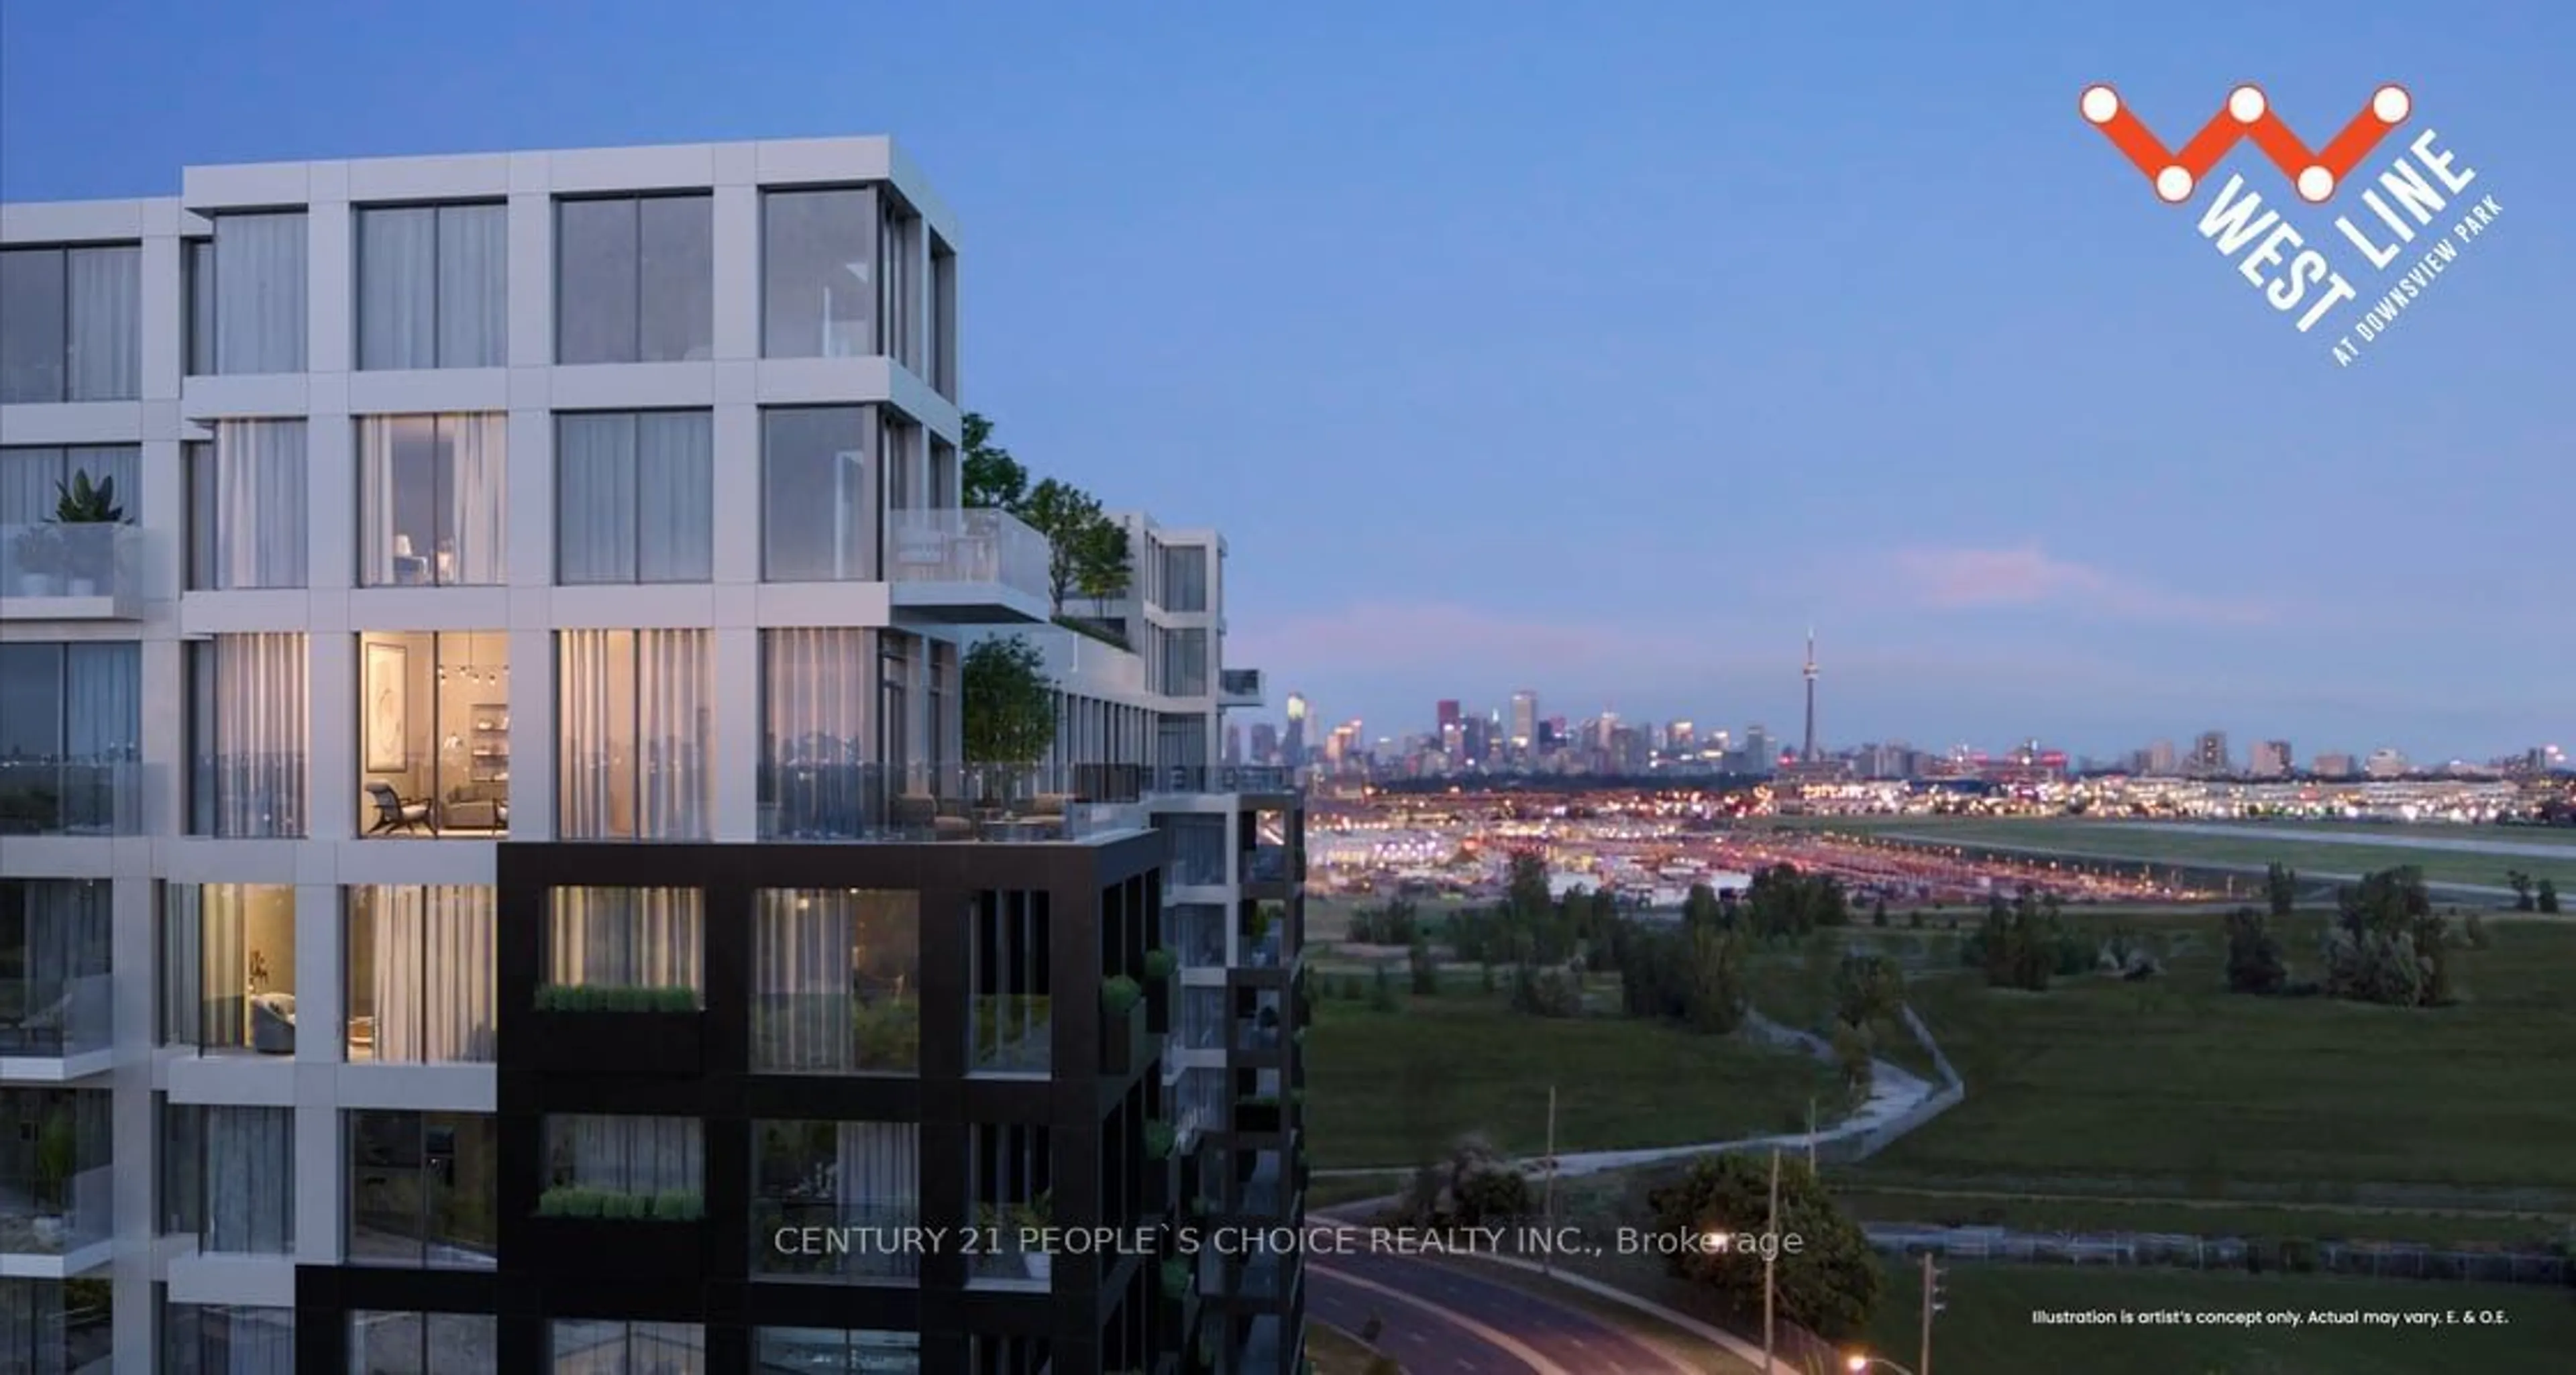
1446,714
2335,765
2209,755
2386,762
1524,719
2269,759
1233,743
1807,753
1292,746
1758,754
1265,743
2161,759
1685,737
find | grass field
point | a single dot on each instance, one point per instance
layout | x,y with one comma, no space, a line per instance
2249,845
1382,1088
2202,1218
1985,1324
2175,1087
1334,1352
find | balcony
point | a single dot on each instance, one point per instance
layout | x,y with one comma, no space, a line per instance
56,1182
969,567
70,797
1238,687
1220,779
56,572
810,795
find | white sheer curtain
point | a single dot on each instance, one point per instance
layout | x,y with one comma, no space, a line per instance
31,479
477,449
674,496
815,686
398,287
636,1155
253,708
878,1170
183,963
258,504
259,293
435,968
595,498
250,1180
473,286
633,497
673,733
801,949
595,713
253,1341
628,937
105,349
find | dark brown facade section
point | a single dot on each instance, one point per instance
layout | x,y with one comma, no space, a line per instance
1107,1313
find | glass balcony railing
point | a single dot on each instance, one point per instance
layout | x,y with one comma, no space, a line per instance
43,1215
1014,1033
816,797
70,797
967,546
1222,778
1239,686
45,1018
50,562
1267,864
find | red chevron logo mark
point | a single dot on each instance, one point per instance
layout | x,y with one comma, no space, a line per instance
2248,115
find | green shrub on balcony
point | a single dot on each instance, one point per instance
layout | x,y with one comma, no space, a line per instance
617,1205
1159,965
1159,1139
1176,1279
1120,994
615,998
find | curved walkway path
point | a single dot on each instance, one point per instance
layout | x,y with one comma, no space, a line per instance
1893,1092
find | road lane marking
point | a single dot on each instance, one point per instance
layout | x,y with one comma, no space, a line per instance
1500,1341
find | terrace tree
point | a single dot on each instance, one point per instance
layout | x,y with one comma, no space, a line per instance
1008,714
988,475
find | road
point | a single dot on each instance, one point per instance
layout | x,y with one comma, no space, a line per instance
1458,1324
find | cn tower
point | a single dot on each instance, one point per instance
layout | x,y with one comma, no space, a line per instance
1810,756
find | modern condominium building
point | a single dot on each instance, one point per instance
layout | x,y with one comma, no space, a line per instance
490,873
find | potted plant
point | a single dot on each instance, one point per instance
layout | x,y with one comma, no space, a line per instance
85,562
56,1153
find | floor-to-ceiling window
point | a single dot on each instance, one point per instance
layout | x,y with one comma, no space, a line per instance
814,776
434,733
836,986
635,715
58,1327
406,1343
422,968
423,1189
861,1176
635,279
71,324
818,273
634,497
635,1156
627,938
213,1339
246,506
71,725
252,288
586,1347
228,967
1012,1022
834,1351
817,517
55,936
53,541
235,1190
56,1173
433,286
431,494
247,728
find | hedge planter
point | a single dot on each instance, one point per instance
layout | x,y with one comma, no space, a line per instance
616,1246
1119,995
623,1043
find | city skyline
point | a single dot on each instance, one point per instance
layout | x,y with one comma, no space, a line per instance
2013,538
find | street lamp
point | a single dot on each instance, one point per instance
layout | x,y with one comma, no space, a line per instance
1861,1364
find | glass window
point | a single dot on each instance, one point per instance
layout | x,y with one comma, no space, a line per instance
246,732
421,972
228,966
634,712
71,324
34,481
239,1185
817,522
246,503
1012,1026
899,260
942,346
423,1189
818,273
632,938
206,1339
630,1155
59,1193
585,1347
71,722
634,497
431,490
815,779
58,1327
259,293
54,966
389,1343
433,286
433,714
843,1175
837,988
833,1351
635,280
1184,583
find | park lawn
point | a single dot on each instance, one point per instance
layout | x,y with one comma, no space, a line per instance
2245,847
2173,1086
1395,1088
1985,1323
1331,1351
2193,1217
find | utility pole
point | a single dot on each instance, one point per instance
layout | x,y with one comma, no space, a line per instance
1931,1305
1547,1195
1811,1134
1770,1263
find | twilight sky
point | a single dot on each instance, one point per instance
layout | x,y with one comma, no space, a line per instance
1515,347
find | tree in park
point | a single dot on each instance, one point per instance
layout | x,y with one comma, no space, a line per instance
2520,883
2548,899
2254,963
1830,1284
2281,886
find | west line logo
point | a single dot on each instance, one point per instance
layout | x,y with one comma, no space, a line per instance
2287,266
